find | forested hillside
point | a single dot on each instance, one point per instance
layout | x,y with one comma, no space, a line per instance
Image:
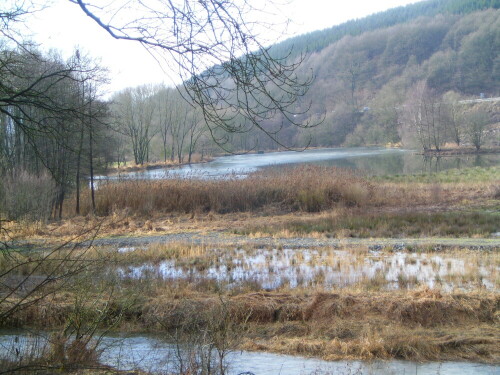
317,40
368,70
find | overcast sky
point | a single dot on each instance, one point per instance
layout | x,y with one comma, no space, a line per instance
63,26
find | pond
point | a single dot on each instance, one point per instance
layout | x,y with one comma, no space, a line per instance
372,160
155,355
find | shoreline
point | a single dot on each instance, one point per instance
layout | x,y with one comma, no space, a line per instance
153,166
293,322
459,152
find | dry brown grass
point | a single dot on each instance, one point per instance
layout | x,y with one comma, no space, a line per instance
274,199
394,342
421,325
350,326
310,189
399,224
303,189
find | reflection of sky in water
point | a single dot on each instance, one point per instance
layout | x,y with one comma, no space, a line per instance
272,269
373,160
152,354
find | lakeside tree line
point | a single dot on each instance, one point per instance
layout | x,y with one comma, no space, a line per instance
52,124
57,132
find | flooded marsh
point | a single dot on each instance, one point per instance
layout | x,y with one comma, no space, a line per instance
322,268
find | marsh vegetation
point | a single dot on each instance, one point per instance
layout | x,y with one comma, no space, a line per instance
366,301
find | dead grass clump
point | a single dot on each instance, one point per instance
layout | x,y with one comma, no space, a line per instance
426,312
292,329
411,348
426,292
366,347
308,348
41,314
169,314
327,306
412,310
267,307
172,314
73,353
451,310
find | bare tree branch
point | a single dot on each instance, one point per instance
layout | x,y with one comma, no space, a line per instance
226,71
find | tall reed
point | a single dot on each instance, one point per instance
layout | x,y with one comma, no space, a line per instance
306,188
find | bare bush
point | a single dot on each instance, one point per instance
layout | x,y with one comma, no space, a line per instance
25,196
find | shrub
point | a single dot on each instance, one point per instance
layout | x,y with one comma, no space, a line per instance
26,197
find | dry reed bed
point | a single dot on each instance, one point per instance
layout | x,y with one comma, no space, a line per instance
151,301
305,188
421,308
297,189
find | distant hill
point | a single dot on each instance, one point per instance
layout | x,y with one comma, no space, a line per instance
366,69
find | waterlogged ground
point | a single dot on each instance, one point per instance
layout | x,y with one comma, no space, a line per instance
158,356
324,268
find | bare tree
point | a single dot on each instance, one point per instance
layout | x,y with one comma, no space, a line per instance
164,116
134,112
424,115
196,129
454,112
39,105
225,69
91,115
475,123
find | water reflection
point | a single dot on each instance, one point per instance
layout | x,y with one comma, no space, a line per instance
271,269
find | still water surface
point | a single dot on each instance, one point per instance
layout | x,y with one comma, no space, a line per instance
372,160
153,354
